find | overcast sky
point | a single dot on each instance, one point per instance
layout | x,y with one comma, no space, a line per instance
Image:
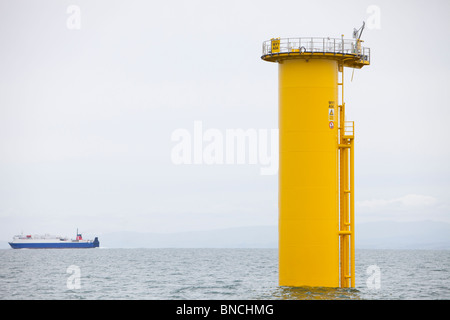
92,91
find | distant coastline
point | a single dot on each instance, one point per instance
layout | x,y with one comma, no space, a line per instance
427,235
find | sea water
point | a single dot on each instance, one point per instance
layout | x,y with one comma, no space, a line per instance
211,274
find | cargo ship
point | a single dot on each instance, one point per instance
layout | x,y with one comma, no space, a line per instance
51,242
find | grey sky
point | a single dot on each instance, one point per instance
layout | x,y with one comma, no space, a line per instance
86,116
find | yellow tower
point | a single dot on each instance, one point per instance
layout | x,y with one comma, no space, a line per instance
316,188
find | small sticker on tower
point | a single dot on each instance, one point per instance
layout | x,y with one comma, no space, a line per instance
331,114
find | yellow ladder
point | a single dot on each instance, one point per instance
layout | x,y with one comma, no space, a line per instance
346,194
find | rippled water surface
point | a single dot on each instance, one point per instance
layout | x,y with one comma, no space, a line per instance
209,274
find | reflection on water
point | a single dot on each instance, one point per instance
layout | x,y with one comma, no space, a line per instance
316,293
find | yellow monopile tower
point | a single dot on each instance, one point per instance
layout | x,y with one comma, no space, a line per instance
316,188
